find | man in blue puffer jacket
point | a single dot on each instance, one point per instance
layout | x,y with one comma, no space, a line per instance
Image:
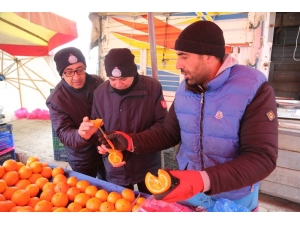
224,114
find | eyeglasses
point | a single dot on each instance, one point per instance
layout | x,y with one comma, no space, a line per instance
71,73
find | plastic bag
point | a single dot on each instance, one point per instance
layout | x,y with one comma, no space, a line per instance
21,113
153,205
44,115
225,205
34,114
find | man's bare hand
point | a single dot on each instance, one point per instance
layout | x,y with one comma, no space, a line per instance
86,129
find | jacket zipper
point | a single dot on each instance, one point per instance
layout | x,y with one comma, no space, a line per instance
201,130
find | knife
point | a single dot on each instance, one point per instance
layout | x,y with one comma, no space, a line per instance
108,141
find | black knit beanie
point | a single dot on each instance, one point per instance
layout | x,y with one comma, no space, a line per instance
66,57
119,62
202,37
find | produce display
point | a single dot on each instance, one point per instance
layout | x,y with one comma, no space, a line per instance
38,187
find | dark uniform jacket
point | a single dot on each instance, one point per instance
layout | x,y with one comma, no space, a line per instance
140,109
67,107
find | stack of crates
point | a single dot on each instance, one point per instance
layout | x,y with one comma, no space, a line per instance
7,146
60,153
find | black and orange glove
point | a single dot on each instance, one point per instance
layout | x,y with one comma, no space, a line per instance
121,140
185,184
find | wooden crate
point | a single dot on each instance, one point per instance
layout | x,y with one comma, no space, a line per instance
284,181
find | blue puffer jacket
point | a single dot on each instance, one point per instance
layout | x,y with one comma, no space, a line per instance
210,125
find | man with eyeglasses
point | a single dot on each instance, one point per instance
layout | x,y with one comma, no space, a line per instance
69,102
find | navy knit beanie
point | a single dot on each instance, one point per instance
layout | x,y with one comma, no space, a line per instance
66,57
119,62
202,37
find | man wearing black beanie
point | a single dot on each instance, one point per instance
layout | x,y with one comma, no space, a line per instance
224,114
128,102
69,102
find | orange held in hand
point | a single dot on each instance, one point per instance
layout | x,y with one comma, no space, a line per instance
160,184
115,156
97,122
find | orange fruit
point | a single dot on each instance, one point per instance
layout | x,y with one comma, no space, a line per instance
74,207
59,178
20,164
123,205
9,191
34,177
6,206
61,187
91,190
45,164
33,201
94,204
82,199
102,195
85,210
14,209
82,185
72,192
113,197
40,182
25,172
60,200
46,172
22,184
57,170
134,208
107,207
158,184
47,195
48,186
11,177
97,122
10,165
72,181
37,167
115,156
21,197
2,198
61,209
31,159
140,200
33,190
25,209
3,186
128,194
2,171
43,206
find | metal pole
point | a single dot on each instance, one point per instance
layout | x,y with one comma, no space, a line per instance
152,41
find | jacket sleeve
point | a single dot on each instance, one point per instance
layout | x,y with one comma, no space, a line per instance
165,135
258,146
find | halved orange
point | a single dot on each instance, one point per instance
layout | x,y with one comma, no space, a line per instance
115,156
160,184
97,122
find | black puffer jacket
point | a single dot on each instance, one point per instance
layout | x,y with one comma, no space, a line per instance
67,107
140,109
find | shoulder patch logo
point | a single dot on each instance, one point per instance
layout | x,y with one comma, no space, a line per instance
164,104
219,115
72,59
270,115
116,72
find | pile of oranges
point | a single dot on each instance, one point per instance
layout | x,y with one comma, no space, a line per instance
37,187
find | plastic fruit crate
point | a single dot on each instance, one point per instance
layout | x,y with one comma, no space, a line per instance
60,155
6,140
53,132
6,154
6,128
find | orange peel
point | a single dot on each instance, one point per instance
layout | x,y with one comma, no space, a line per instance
97,122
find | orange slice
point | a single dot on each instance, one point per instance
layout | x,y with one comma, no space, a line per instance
97,122
160,184
115,156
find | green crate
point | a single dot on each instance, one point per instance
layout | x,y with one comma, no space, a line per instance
57,145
